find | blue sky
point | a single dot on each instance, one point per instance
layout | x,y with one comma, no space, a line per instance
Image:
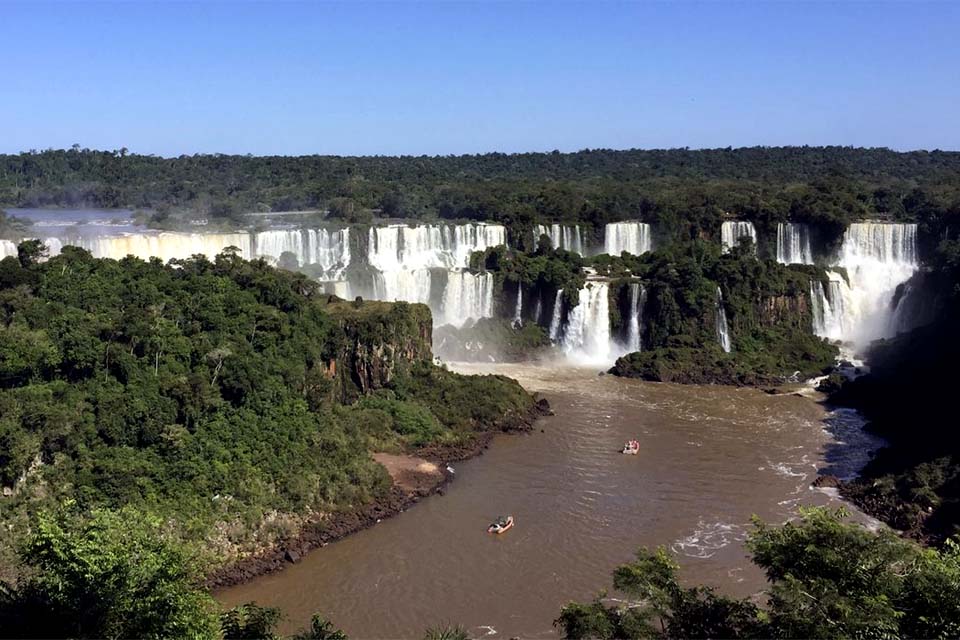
441,78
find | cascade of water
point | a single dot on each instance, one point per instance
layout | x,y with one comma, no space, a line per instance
632,237
555,318
518,312
7,249
54,246
587,338
723,331
638,299
399,246
877,258
828,306
793,243
408,285
538,310
466,296
328,249
166,245
732,230
402,257
566,237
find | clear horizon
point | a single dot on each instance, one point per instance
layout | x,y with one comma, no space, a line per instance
460,79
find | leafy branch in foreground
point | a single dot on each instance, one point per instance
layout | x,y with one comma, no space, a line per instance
829,579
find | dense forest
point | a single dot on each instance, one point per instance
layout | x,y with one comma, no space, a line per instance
225,397
679,188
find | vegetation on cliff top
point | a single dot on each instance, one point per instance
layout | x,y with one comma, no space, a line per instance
209,393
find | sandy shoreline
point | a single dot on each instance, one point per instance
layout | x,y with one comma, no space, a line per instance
414,477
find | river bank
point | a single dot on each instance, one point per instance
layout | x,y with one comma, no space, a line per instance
711,457
413,476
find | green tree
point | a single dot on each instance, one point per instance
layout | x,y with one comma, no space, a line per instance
250,622
829,579
30,252
320,629
113,574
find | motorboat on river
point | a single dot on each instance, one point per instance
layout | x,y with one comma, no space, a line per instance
501,525
631,448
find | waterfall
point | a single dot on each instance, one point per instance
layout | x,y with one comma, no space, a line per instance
723,331
402,257
538,310
166,245
632,237
732,230
587,338
793,243
877,257
562,236
330,250
638,299
555,318
7,249
399,246
466,296
518,312
828,306
408,285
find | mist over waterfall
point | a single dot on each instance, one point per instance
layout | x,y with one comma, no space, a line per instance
732,230
632,237
568,237
877,257
723,331
403,258
638,299
7,249
587,336
793,243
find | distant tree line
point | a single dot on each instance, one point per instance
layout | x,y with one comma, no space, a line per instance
683,189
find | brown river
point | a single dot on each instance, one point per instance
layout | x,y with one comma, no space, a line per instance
710,457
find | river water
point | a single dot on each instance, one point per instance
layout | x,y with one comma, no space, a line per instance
710,458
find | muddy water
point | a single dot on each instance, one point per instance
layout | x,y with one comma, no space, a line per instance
710,458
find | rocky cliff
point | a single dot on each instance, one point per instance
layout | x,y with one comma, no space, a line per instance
379,341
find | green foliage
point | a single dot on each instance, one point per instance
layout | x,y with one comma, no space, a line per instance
829,579
109,575
204,392
320,629
466,404
413,422
249,622
488,338
686,192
